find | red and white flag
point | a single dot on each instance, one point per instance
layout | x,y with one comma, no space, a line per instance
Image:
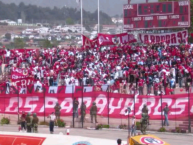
88,43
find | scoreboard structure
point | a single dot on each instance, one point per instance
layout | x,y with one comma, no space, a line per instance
158,15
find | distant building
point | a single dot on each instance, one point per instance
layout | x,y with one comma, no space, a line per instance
117,20
19,21
109,27
76,28
9,22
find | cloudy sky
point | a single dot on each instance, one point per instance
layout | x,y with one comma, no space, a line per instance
111,7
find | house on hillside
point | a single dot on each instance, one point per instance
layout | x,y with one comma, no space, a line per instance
9,22
105,28
108,27
77,36
28,31
117,20
74,28
43,30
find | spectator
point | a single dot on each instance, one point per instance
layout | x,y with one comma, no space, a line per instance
156,86
180,79
188,82
52,120
166,111
119,141
1,62
149,83
133,126
143,65
140,84
7,55
75,107
172,83
51,81
23,121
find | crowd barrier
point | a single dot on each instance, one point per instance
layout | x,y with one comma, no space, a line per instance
109,105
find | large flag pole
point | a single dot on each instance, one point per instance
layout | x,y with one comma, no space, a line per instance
98,17
81,19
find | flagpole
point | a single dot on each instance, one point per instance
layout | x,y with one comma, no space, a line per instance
98,18
81,19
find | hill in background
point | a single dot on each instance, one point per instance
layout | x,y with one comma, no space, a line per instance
37,14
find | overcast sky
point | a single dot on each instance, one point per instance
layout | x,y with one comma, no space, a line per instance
111,7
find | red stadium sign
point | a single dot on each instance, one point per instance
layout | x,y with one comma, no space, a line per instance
172,14
20,140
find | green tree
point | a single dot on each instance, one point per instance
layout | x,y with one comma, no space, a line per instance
19,43
69,21
45,43
50,15
48,44
10,45
8,36
55,43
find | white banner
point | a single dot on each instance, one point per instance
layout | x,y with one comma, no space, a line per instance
173,38
53,90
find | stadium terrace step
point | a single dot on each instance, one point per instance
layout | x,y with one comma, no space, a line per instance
15,125
156,128
185,124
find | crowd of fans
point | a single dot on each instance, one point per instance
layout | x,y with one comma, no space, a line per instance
151,68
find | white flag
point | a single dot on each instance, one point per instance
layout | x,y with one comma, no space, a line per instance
70,89
88,89
53,90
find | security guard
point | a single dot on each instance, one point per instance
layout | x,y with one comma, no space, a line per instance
35,121
144,119
93,112
83,111
57,110
29,122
